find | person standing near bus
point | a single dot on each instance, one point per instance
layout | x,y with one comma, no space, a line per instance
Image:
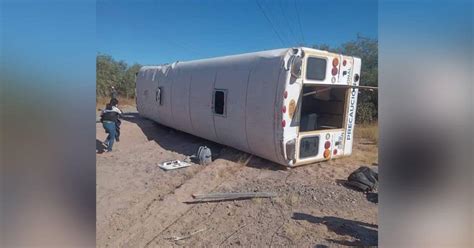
109,118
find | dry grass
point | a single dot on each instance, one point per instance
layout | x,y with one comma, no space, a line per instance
292,199
257,200
367,131
365,147
293,231
100,102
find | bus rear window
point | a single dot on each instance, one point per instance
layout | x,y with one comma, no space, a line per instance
309,146
316,69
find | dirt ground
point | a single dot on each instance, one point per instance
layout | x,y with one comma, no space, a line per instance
140,205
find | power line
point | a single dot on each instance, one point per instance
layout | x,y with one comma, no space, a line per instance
294,21
274,17
271,24
299,21
288,24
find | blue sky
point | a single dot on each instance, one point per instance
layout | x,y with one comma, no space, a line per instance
155,32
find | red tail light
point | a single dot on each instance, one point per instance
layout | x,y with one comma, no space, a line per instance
327,145
283,109
285,94
344,63
334,71
335,62
283,123
335,151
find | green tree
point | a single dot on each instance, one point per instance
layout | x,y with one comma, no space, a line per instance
111,72
366,49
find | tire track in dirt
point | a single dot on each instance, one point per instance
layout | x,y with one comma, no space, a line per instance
144,231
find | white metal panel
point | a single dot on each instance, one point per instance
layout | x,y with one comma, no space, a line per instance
337,144
180,98
261,120
146,91
351,108
164,115
200,99
345,71
187,93
234,80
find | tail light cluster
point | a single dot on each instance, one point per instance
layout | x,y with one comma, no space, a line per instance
283,109
290,150
327,152
327,145
335,63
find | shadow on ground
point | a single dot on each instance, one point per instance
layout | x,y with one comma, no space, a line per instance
347,185
364,234
187,144
99,146
370,196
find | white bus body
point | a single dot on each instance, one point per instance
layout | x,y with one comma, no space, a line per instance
292,106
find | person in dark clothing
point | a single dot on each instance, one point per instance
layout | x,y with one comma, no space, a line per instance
113,97
118,122
110,118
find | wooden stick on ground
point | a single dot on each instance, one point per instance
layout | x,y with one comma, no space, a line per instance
188,236
231,196
248,160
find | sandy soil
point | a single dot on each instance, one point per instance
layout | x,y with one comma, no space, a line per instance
140,205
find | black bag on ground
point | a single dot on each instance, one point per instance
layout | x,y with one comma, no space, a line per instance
364,179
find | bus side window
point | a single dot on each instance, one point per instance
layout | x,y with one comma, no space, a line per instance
158,95
219,102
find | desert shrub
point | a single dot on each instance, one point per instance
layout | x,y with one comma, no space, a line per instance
111,72
366,112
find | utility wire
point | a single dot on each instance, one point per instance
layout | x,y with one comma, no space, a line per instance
276,20
271,24
299,21
287,21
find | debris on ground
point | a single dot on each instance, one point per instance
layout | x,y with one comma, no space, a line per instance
248,160
173,164
203,155
177,238
231,196
364,179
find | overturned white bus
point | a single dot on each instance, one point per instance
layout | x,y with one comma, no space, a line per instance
292,106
